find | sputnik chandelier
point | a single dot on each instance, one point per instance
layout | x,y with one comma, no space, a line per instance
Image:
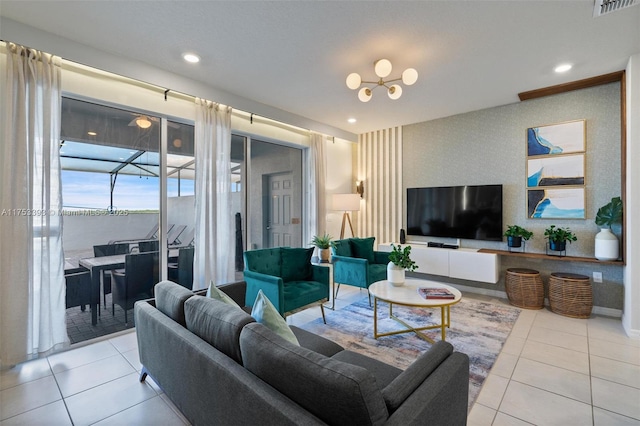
382,69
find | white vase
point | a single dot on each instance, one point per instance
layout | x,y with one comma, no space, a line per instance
607,247
395,274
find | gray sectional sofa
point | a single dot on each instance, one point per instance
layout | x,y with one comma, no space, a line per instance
220,367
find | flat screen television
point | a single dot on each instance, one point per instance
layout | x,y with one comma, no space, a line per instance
470,212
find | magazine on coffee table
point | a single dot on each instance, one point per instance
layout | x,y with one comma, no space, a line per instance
435,293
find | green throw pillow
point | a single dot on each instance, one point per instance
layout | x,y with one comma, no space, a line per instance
363,248
265,313
296,264
342,248
215,293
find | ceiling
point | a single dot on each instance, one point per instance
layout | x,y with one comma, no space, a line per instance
295,55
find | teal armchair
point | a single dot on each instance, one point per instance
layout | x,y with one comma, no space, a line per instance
356,263
288,279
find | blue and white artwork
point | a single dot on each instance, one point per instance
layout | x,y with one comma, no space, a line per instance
555,171
556,139
564,203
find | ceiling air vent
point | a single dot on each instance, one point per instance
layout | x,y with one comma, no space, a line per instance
602,7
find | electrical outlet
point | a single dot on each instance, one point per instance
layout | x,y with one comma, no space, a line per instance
597,277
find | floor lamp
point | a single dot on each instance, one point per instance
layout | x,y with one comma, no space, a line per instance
346,203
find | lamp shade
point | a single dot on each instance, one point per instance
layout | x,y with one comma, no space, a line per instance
409,76
346,202
382,68
353,80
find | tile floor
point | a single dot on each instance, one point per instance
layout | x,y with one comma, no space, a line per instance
552,370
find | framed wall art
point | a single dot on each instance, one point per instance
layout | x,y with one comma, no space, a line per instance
556,139
556,170
556,203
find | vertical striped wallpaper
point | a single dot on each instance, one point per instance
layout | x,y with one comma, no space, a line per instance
379,166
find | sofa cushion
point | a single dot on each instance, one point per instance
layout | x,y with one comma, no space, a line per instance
363,248
342,248
265,313
408,381
264,261
216,323
215,293
170,298
384,373
334,391
296,264
316,343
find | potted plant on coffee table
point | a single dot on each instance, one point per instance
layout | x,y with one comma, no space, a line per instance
399,262
606,243
323,243
558,237
515,234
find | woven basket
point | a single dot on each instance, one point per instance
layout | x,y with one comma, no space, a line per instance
524,288
570,295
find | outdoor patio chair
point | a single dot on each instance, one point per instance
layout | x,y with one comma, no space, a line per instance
78,286
135,282
108,250
182,272
147,246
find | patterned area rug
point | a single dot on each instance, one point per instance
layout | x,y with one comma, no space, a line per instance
478,329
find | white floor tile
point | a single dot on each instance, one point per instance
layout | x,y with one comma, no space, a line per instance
125,342
553,379
606,349
28,396
103,401
540,407
25,372
480,416
133,357
54,414
492,391
560,323
153,411
617,398
557,356
611,330
171,405
91,375
513,345
503,419
615,371
504,365
85,355
607,418
559,338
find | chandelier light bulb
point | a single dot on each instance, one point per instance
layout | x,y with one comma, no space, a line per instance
409,76
395,92
382,68
354,80
143,122
364,94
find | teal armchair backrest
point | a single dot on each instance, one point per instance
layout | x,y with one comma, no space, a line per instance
265,261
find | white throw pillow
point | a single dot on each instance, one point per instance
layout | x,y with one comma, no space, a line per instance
265,313
215,293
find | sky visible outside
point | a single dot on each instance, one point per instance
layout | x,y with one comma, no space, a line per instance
88,190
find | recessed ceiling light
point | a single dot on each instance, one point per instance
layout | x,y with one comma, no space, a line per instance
191,57
352,120
92,133
563,68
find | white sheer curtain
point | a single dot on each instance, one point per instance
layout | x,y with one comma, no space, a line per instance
214,240
32,288
316,199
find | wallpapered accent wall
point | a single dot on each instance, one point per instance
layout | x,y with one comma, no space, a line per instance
489,147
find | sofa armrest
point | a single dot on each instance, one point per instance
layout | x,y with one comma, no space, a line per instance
442,398
381,257
236,290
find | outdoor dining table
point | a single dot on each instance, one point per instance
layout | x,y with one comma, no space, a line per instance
104,263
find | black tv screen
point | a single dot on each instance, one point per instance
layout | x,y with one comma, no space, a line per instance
470,212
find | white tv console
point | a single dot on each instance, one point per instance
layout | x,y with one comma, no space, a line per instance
462,263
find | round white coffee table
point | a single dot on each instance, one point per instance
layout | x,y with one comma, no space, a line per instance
407,295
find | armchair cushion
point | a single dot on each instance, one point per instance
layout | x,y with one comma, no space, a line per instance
363,248
296,264
264,261
342,248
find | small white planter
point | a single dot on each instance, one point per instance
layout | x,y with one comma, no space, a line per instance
395,274
607,246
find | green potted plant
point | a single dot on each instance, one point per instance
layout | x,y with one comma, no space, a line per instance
606,243
558,237
515,234
324,244
399,262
